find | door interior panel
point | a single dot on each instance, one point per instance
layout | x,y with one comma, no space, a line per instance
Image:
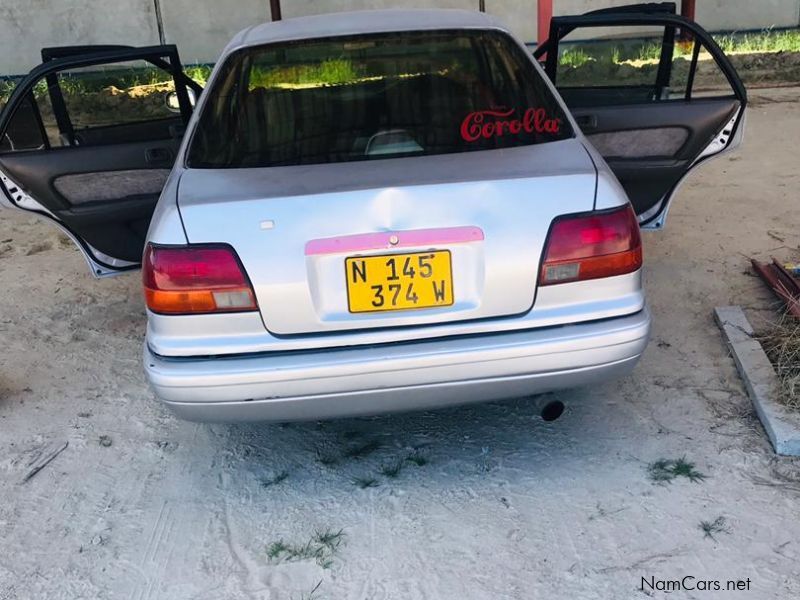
108,206
644,143
650,146
645,123
99,171
82,188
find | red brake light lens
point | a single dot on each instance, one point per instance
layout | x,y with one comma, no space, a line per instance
195,279
592,246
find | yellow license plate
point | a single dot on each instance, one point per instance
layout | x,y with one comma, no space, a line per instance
399,281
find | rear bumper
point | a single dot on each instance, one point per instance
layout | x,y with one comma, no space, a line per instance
396,377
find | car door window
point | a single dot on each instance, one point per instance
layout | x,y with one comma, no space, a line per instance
26,130
638,65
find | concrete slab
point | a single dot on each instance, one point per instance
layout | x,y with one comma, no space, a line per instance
781,424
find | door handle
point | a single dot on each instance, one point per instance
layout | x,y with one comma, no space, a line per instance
157,156
586,122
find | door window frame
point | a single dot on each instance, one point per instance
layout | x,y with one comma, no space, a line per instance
58,59
561,26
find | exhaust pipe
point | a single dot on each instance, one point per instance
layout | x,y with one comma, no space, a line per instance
550,410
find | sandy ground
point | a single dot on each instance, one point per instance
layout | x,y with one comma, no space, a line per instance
507,506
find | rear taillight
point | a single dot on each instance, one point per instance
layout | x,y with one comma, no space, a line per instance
592,246
195,279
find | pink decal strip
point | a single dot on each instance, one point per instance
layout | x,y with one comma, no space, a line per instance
382,240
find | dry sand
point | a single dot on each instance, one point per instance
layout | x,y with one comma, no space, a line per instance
508,507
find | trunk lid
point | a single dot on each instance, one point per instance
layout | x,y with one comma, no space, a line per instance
294,227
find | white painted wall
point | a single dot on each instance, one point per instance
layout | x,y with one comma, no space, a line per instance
201,28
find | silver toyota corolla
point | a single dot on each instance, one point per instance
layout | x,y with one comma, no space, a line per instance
379,211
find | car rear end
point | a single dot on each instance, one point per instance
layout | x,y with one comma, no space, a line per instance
413,224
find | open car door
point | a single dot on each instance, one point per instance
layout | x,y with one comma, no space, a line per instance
652,92
87,140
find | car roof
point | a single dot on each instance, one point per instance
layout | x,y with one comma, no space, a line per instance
363,21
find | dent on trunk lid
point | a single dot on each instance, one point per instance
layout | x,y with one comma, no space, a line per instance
511,195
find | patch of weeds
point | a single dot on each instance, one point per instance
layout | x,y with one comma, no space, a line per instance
275,479
574,57
329,538
718,525
365,482
781,342
276,549
418,459
665,470
322,548
392,470
362,450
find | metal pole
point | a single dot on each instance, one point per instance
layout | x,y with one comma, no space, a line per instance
275,9
544,12
687,9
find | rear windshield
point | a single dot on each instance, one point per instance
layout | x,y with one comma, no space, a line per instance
374,96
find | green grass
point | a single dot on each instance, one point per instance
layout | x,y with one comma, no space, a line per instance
329,72
666,470
768,40
574,57
322,547
199,73
649,50
718,525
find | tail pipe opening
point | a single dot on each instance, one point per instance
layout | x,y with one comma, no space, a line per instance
551,410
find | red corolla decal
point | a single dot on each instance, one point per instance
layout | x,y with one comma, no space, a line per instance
494,123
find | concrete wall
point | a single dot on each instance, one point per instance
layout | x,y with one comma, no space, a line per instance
201,28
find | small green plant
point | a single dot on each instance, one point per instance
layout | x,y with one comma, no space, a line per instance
392,470
718,525
665,470
574,57
649,51
365,482
275,479
276,549
322,548
329,538
199,73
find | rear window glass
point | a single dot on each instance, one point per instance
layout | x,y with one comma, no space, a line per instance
375,96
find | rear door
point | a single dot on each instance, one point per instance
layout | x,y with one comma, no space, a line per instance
652,92
88,139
